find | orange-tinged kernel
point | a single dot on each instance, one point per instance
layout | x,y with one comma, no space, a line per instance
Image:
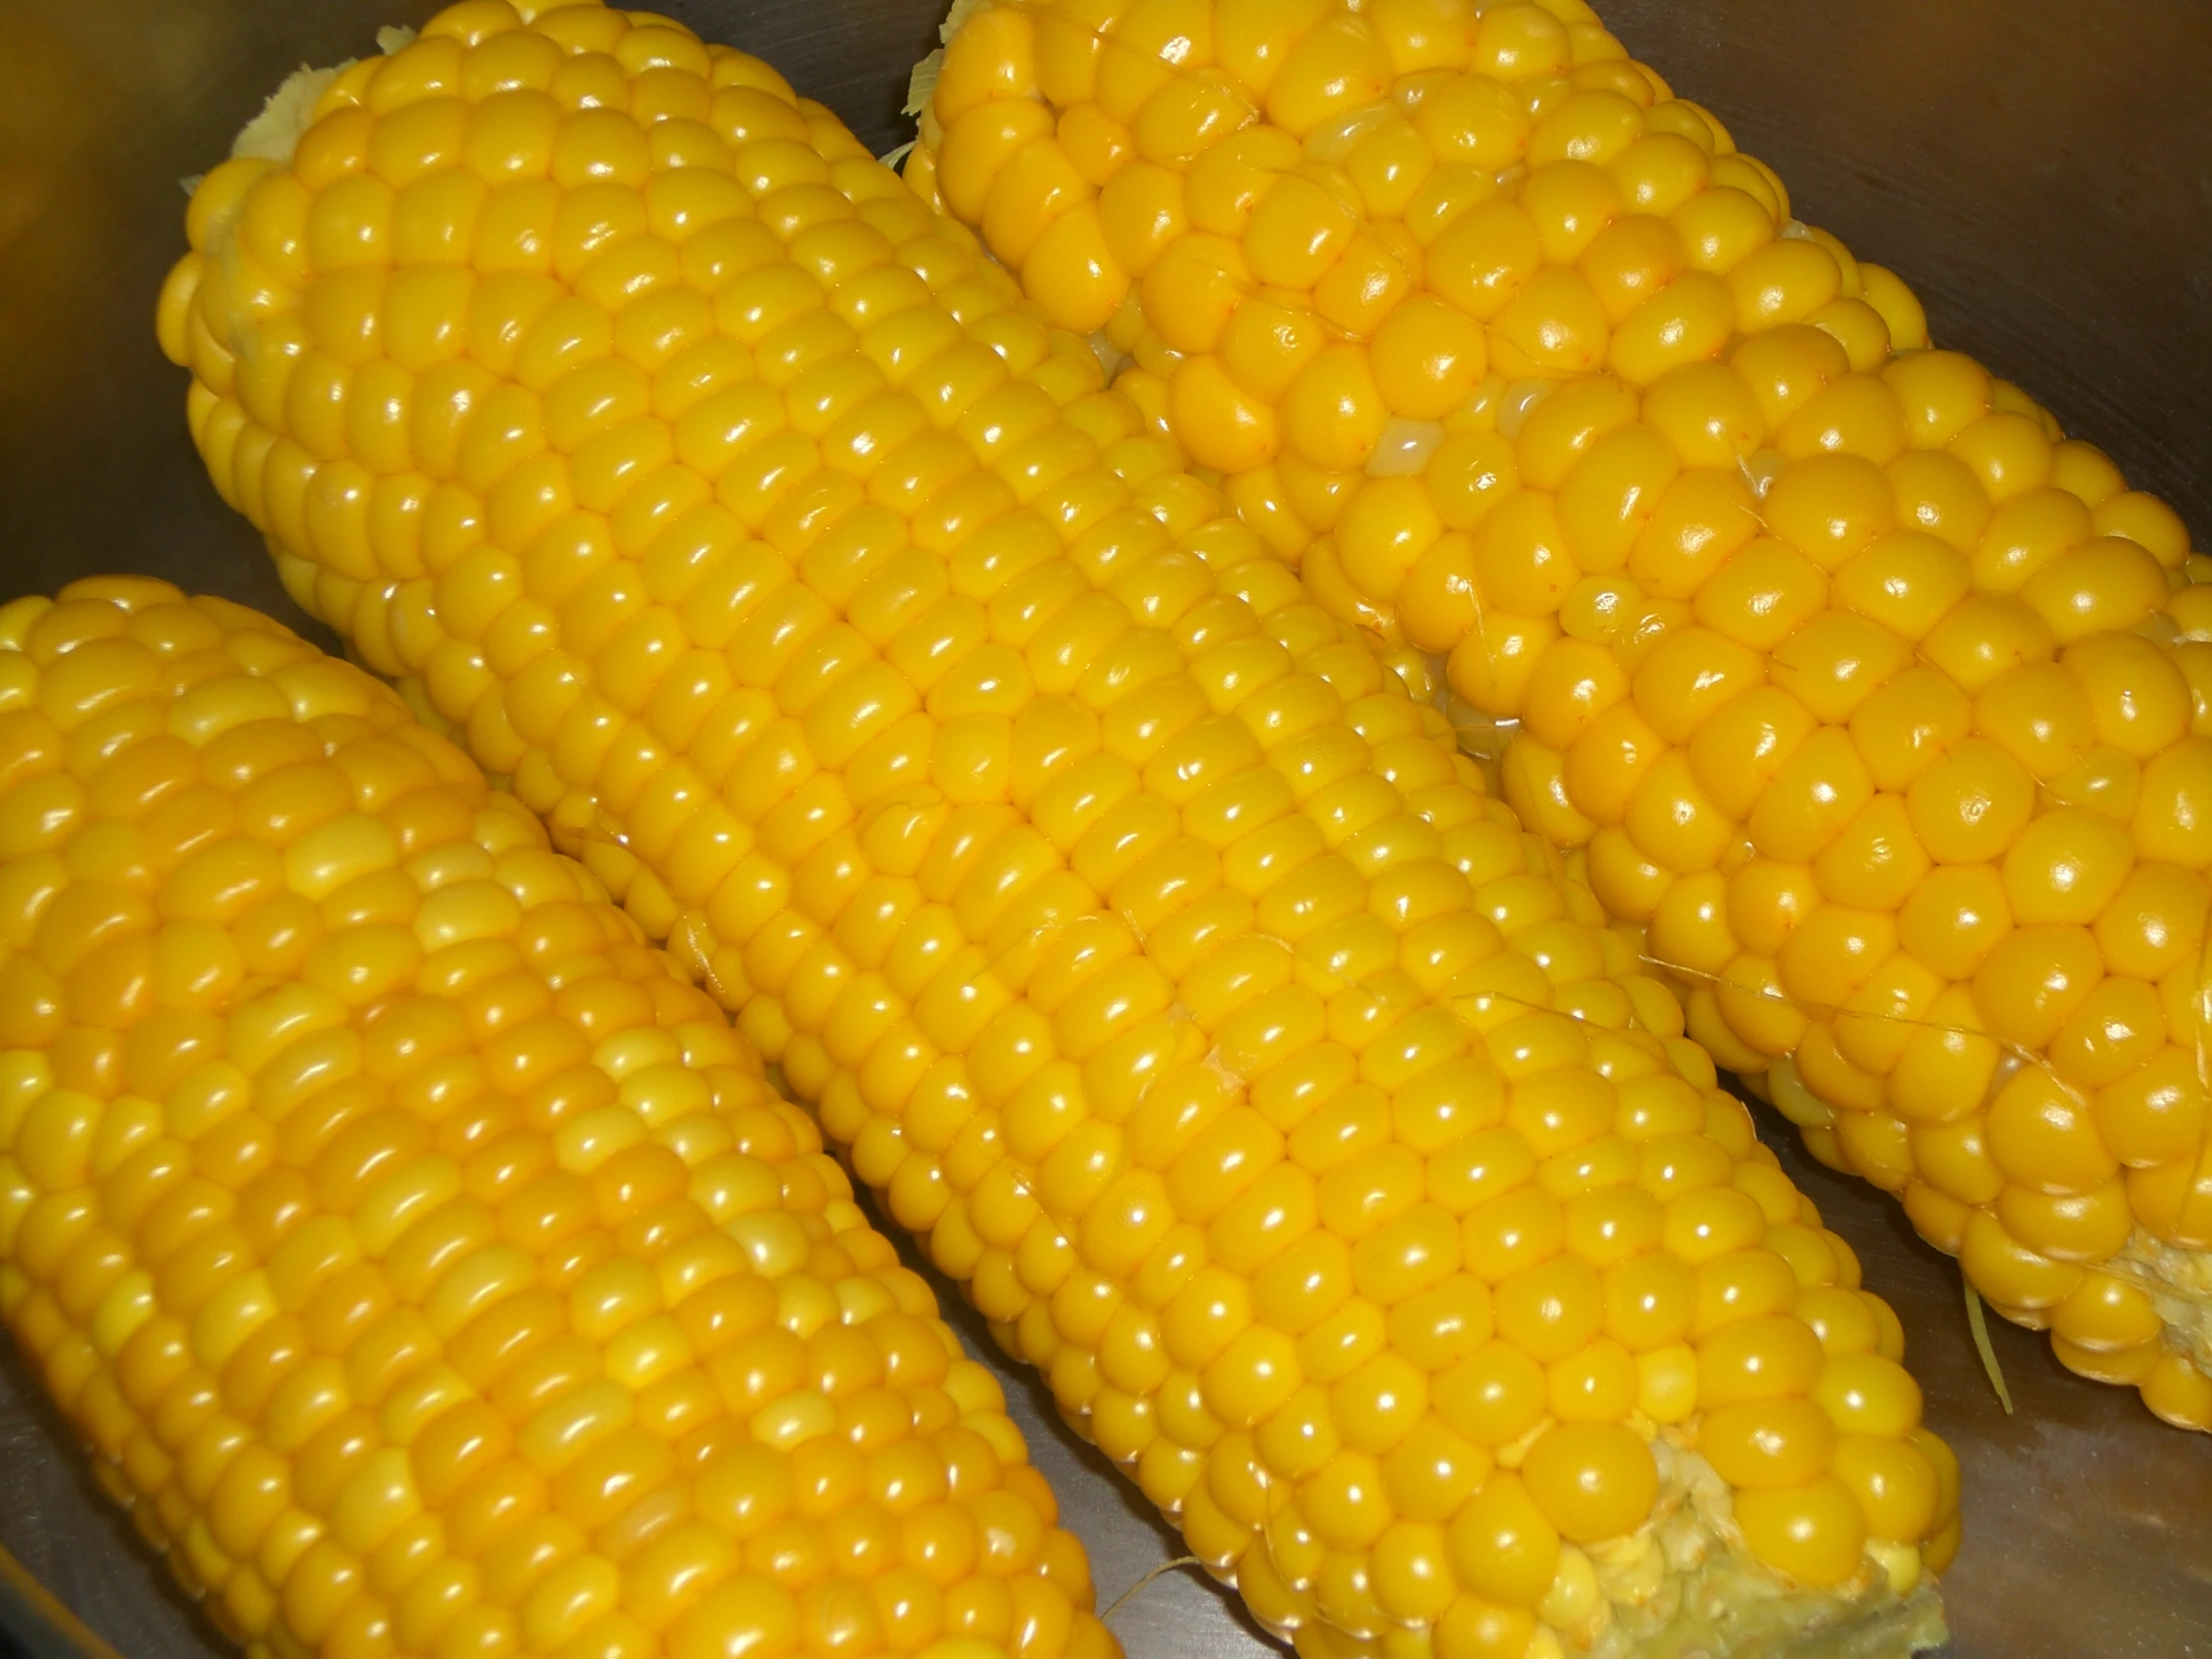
2007,1272
2170,819
2154,1115
995,60
1972,804
1613,492
1572,201
1592,1481
1815,1531
1558,426
2033,980
1866,1395
1338,66
2008,452
1954,919
2106,1315
2119,1028
1942,393
1756,1359
1521,561
1217,423
1700,520
1554,325
1428,357
1485,257
1721,226
1894,1484
2041,1136
2072,1227
1332,414
2137,699
1767,1444
2105,585
1832,508
1552,1309
1502,1546
1762,595
1785,282
1072,271
1599,1385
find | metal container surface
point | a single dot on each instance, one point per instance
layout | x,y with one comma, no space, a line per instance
2041,175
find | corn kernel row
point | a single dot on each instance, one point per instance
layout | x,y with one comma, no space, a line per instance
1878,710
1148,945
426,1262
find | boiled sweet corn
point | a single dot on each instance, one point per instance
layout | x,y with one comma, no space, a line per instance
1146,942
1875,710
423,1260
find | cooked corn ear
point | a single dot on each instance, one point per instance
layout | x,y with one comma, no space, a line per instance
424,1262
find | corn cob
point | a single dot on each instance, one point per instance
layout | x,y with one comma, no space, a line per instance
1874,710
1341,244
1143,938
1907,786
424,1260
